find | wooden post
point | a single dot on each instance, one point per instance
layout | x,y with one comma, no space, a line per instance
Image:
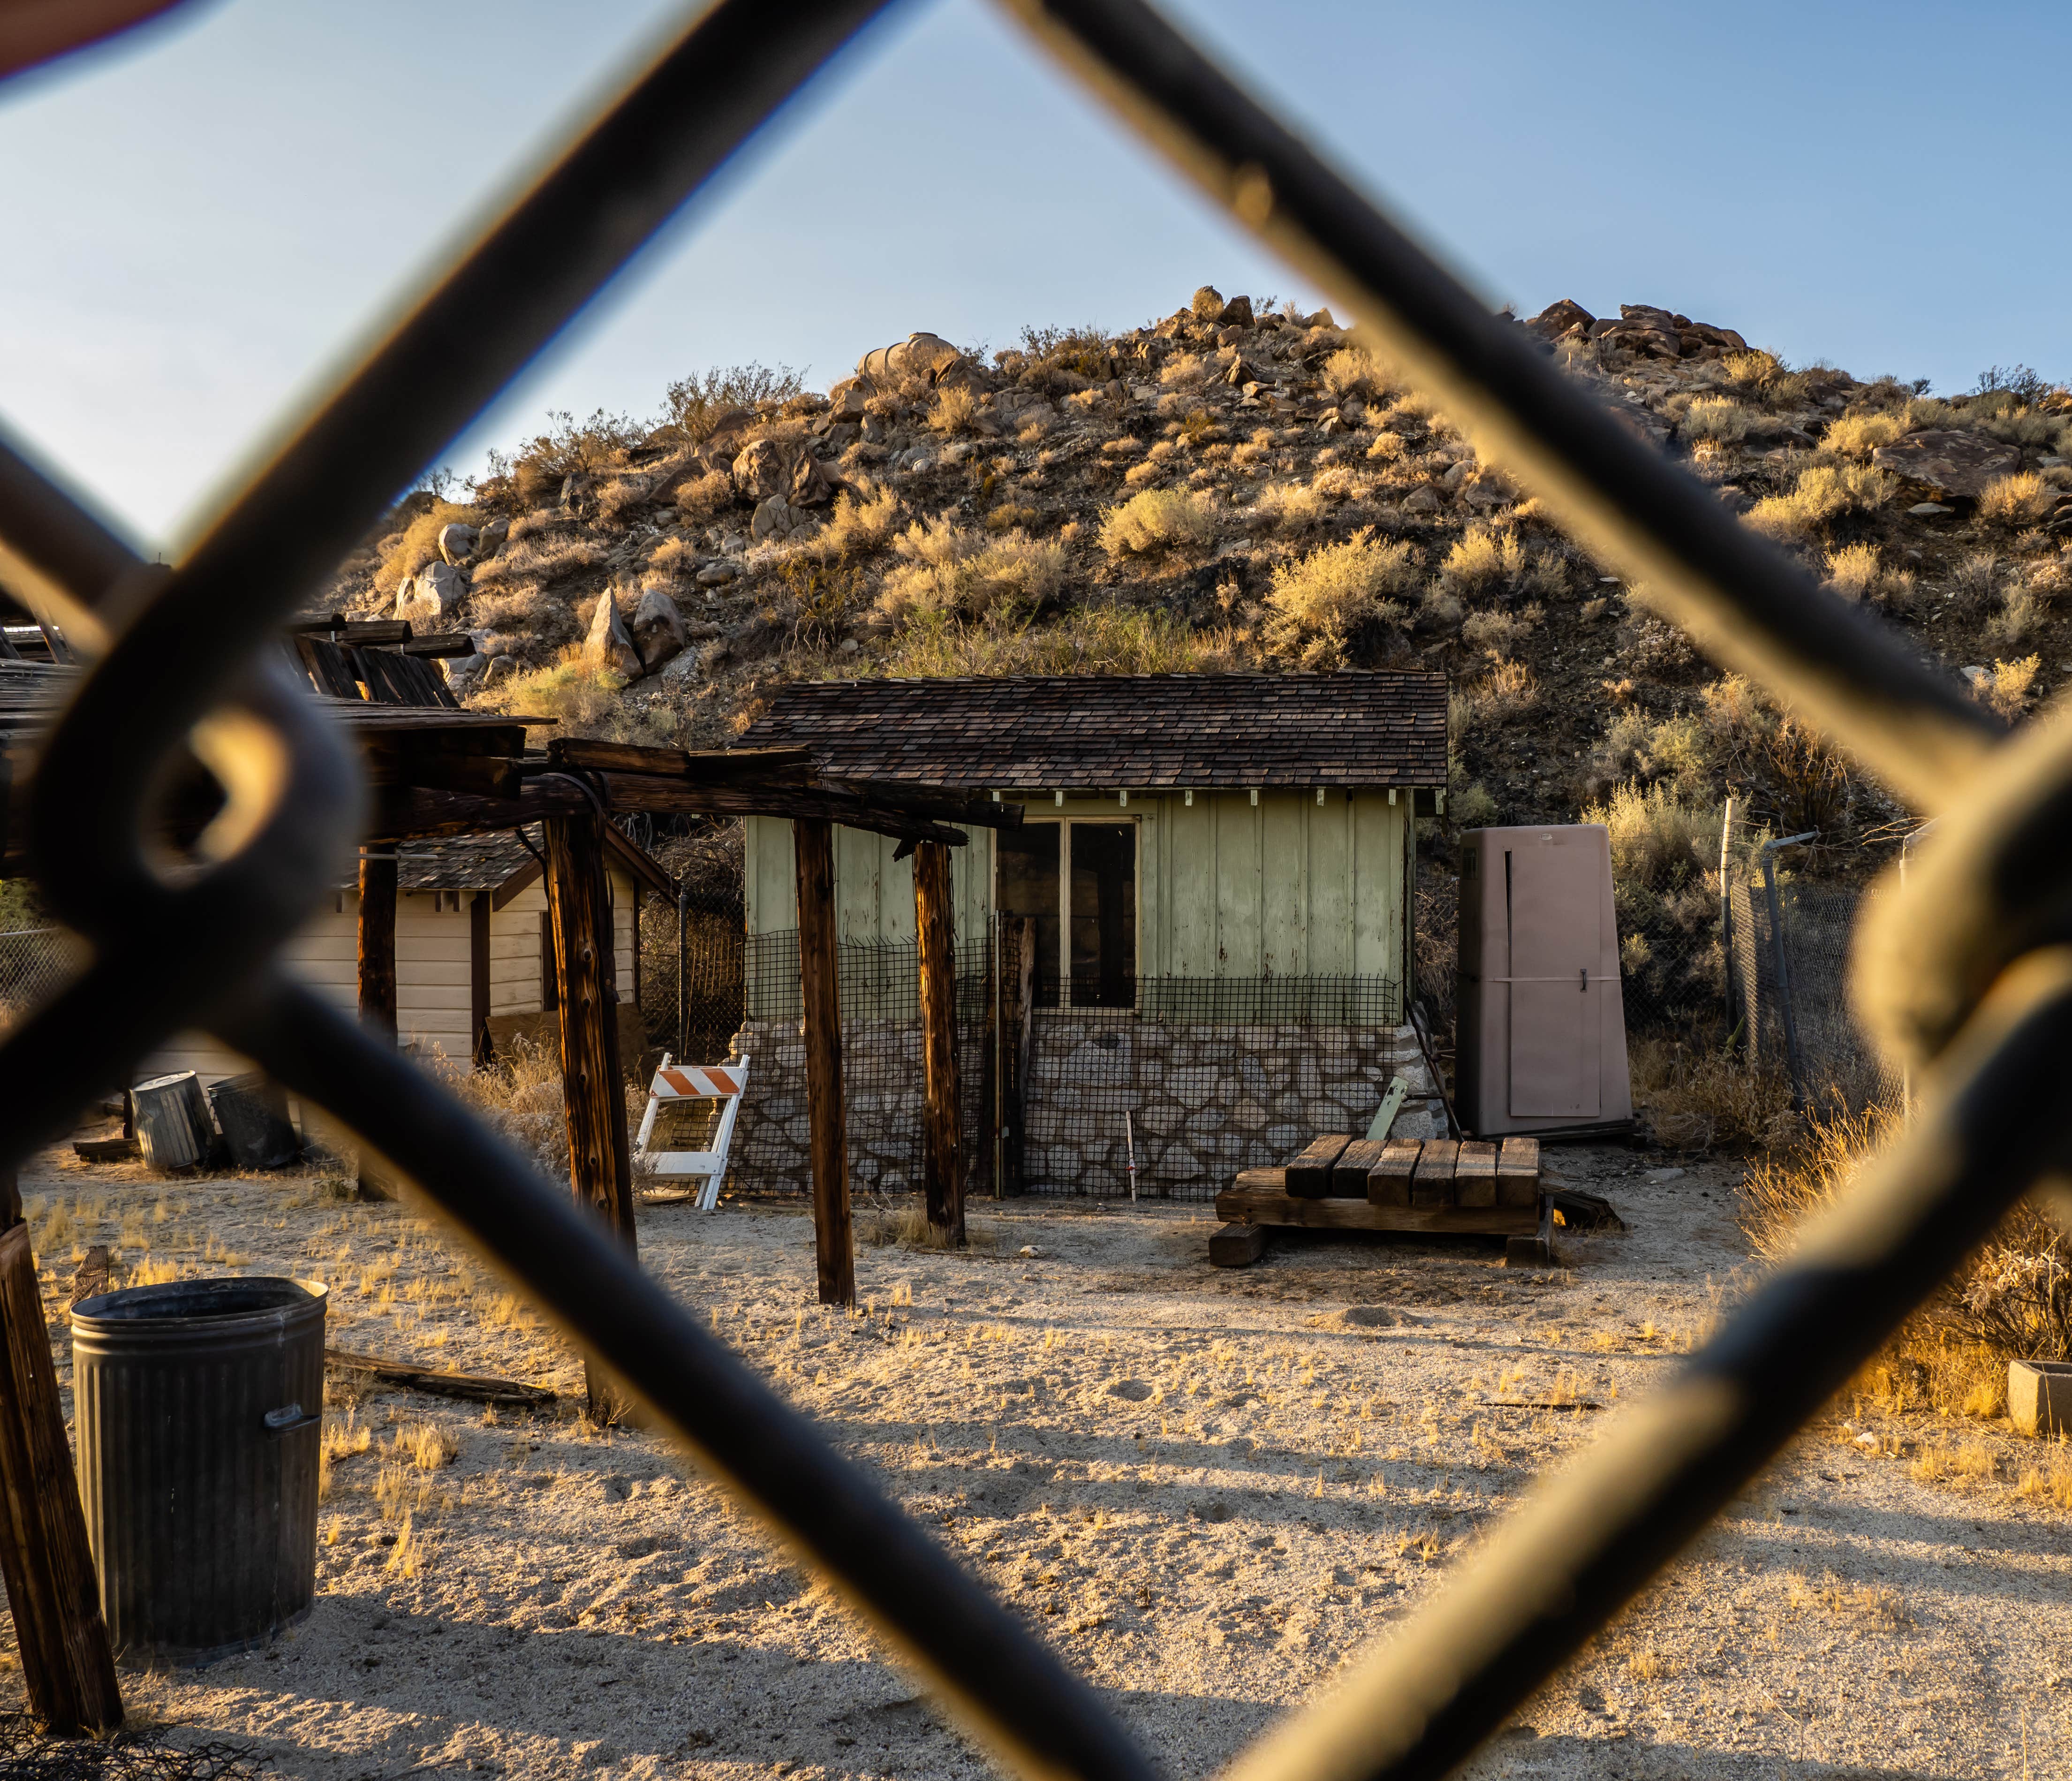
1018,997
942,1173
51,1588
600,1155
377,973
820,996
478,912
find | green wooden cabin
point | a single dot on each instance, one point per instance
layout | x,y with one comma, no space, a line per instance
1178,830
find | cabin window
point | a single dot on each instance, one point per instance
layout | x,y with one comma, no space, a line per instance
1077,880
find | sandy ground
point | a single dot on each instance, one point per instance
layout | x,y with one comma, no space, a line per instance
1209,1489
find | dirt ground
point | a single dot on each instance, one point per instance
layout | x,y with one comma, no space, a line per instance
1209,1489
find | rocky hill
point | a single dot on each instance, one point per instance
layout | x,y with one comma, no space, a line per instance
1225,488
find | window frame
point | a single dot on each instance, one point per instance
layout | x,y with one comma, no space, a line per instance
1064,819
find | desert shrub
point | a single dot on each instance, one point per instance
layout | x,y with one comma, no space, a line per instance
1765,375
2019,499
1665,889
1695,1095
583,700
2020,615
695,402
1735,714
1103,640
2006,685
1384,446
672,557
521,1099
1183,371
1287,507
1507,689
1155,520
1332,592
954,409
1854,570
1811,782
1858,435
1350,372
943,568
1719,419
540,465
859,523
702,496
1825,491
1498,633
1487,559
419,543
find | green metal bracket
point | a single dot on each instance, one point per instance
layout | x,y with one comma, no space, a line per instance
1391,1103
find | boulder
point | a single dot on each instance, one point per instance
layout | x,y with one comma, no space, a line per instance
1236,313
1948,461
610,644
814,481
465,673
577,488
1556,320
723,437
762,468
657,628
491,537
717,574
847,400
1424,498
428,597
1208,304
773,519
457,542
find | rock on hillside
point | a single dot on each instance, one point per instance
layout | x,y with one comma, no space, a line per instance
1235,486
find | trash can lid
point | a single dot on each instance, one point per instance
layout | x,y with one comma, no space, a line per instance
185,1302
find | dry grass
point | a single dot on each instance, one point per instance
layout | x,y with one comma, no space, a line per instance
419,543
946,569
2051,1482
1855,571
956,410
2007,686
2019,499
1878,1605
701,497
1497,633
1486,559
1825,492
858,524
1155,521
1325,597
1351,371
1103,639
521,1096
1859,435
1508,690
1697,1098
1720,419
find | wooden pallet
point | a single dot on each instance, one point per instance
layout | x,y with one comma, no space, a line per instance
1435,1185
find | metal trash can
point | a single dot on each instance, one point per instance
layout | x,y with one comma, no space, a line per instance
199,1405
253,1114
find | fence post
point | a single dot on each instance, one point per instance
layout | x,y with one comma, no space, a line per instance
377,953
819,1001
942,1169
1792,1062
683,977
51,1588
1017,996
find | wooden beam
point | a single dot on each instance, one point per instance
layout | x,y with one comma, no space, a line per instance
834,1240
377,975
1310,1174
1018,1002
1260,1196
412,813
66,1662
943,1172
768,766
600,1156
796,804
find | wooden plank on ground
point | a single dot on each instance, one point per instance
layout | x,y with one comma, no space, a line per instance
1310,1174
1349,1173
473,1388
1388,1181
1433,1185
117,1149
1517,1171
1237,1246
1474,1175
1254,1201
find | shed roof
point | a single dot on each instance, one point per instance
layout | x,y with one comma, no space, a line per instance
1124,732
501,861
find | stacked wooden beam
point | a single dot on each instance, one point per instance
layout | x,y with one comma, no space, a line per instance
1341,1183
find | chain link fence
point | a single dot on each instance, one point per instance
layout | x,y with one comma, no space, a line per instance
35,963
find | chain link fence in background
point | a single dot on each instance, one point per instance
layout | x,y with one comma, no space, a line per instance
35,963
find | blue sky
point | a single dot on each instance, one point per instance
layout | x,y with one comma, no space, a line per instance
198,223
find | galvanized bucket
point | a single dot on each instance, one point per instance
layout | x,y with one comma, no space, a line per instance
199,1407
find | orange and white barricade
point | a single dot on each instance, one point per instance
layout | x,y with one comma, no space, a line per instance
693,1082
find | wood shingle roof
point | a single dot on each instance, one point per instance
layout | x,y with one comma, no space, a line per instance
1120,732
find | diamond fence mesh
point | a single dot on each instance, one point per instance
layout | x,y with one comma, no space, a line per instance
35,963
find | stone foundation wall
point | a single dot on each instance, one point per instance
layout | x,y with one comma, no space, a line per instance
1203,1101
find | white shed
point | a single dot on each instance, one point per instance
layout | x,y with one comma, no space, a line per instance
472,941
